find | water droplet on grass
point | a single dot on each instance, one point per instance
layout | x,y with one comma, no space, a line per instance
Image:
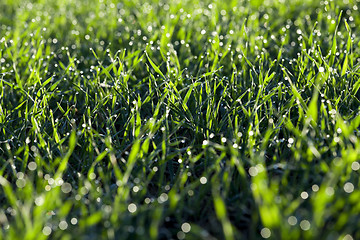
253,171
73,221
180,235
305,225
265,233
39,201
304,195
292,220
186,227
355,166
66,188
20,183
32,166
132,207
46,231
63,225
329,191
348,187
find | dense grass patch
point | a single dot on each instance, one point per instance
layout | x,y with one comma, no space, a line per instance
179,120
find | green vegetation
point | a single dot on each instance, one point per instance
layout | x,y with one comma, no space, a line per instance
179,120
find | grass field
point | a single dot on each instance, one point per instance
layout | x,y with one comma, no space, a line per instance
179,120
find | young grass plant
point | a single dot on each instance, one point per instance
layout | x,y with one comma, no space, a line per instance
179,120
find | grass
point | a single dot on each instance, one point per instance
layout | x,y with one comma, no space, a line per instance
179,120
